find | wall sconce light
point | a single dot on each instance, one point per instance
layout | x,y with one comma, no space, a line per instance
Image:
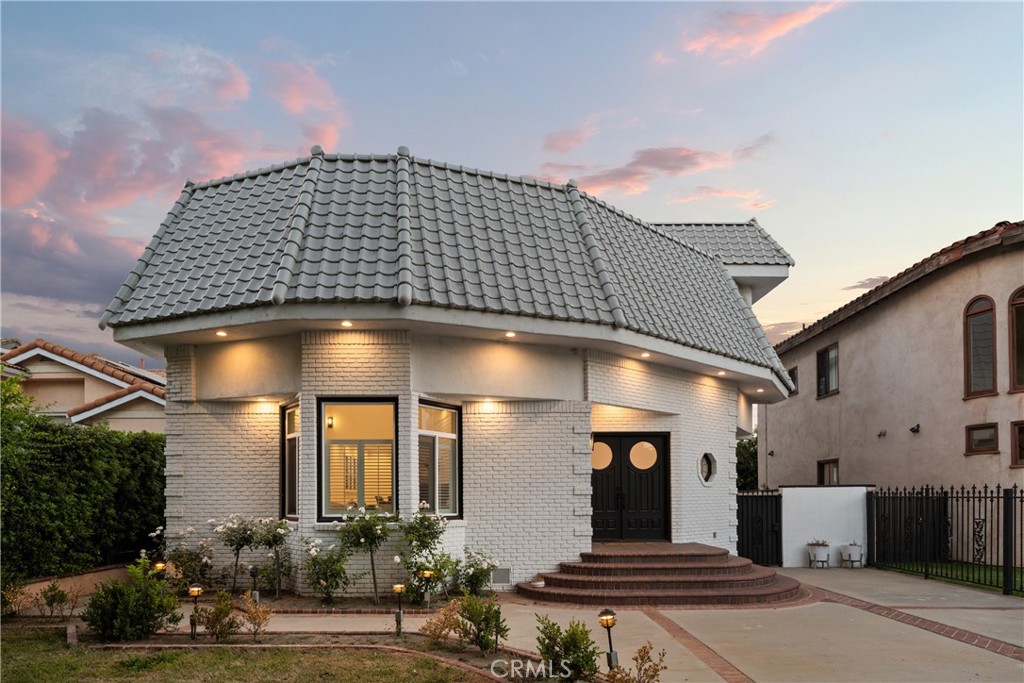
398,589
607,620
510,335
881,434
771,454
330,422
916,428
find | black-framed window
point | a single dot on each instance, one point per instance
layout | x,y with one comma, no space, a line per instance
828,472
1017,340
290,463
440,461
358,456
794,376
979,348
1017,444
828,370
982,438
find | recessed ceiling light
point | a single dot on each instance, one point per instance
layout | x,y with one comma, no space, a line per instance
221,333
721,373
510,334
346,323
645,355
760,391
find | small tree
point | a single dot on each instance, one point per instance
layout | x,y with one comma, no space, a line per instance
367,533
273,535
236,532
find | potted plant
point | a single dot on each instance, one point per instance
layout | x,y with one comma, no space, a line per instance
854,552
818,549
537,581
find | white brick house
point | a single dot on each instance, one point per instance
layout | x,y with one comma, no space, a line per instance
383,331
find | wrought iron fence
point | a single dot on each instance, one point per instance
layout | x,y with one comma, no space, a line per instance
972,534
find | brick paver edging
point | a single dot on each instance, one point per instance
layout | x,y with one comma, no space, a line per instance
454,663
714,661
1000,647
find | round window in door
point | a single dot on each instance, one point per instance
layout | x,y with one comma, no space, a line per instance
601,456
643,455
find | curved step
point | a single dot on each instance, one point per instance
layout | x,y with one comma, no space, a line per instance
636,553
731,565
781,589
755,577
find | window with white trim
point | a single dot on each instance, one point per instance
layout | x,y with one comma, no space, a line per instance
290,464
439,459
357,463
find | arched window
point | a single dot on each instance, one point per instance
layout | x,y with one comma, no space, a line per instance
1017,340
979,348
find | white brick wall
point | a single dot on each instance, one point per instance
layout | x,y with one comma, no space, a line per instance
699,413
526,481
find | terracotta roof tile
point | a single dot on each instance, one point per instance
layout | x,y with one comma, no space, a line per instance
90,360
120,393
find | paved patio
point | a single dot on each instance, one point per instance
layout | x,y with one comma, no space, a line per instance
856,625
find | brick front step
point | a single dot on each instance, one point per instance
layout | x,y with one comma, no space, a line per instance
729,565
755,577
652,574
782,589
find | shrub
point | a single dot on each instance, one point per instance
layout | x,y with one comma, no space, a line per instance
255,616
647,669
325,568
481,623
133,610
475,574
191,562
367,533
272,534
14,597
219,620
421,537
573,648
55,601
237,532
444,623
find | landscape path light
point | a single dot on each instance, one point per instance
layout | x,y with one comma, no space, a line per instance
159,566
195,590
254,571
398,589
426,575
607,619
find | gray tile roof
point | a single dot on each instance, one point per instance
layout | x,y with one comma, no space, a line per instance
396,228
736,243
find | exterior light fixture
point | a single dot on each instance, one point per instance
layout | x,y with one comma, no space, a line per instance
254,571
881,434
398,589
426,575
221,333
916,428
195,590
607,620
346,323
330,422
721,373
510,334
760,391
159,566
645,354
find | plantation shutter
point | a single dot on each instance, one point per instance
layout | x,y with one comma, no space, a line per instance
447,486
377,461
342,475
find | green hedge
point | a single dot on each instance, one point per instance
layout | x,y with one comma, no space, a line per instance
71,496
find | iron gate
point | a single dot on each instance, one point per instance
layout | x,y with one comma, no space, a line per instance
759,518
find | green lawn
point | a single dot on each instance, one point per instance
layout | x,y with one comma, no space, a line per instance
41,656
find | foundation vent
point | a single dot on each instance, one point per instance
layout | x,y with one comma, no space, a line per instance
501,576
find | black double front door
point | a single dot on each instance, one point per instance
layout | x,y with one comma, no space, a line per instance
630,487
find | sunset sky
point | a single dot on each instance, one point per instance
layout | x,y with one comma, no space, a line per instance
863,136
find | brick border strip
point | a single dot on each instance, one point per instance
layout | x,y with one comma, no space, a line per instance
999,647
714,661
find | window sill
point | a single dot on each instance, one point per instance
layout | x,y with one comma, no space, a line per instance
968,454
1016,390
968,397
1018,466
831,393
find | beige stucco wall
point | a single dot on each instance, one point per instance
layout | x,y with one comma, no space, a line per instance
900,364
260,367
140,415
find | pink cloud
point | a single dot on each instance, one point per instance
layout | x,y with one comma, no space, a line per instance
297,88
195,75
659,57
747,34
231,84
776,332
326,134
29,160
568,139
751,199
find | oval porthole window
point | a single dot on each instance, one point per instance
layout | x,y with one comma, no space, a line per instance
643,455
707,467
601,456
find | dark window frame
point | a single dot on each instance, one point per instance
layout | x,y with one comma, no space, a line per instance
458,448
994,449
284,464
825,390
968,314
822,464
320,401
794,376
1016,307
1017,444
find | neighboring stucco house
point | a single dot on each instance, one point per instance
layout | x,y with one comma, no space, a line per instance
385,331
919,381
85,388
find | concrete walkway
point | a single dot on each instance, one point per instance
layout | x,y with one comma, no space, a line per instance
857,626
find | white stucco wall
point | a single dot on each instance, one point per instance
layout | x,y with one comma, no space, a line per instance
900,364
837,514
258,367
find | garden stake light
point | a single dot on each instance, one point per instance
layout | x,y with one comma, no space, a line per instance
159,566
254,571
195,590
398,589
607,619
426,575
